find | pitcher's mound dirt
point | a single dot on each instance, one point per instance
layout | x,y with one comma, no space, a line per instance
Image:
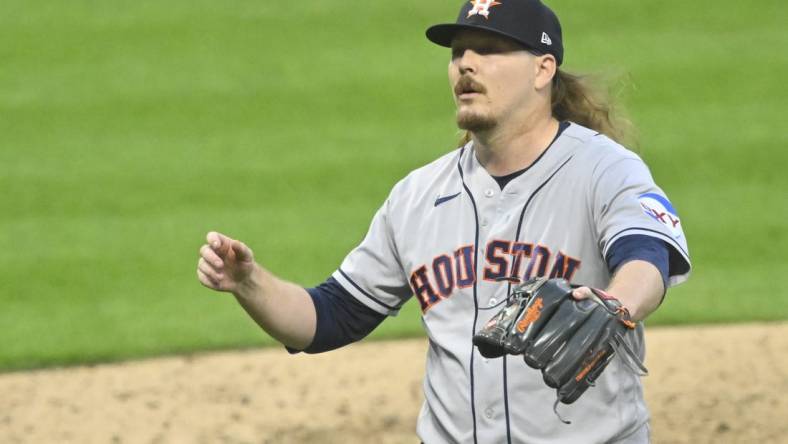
722,384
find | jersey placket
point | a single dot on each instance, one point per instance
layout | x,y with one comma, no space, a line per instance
499,213
494,223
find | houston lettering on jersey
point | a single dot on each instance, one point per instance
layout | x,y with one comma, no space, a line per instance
434,282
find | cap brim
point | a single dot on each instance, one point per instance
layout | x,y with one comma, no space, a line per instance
443,34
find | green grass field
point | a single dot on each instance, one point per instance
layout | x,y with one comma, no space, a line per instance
130,129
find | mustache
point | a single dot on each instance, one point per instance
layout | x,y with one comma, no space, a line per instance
466,83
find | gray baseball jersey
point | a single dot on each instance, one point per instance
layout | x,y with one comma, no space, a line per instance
447,232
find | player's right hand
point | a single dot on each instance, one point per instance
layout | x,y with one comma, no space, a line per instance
225,263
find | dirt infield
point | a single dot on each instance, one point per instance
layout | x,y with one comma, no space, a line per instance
707,384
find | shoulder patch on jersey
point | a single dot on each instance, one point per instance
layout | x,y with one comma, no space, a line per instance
659,208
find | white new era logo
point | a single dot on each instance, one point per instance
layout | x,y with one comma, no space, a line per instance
546,39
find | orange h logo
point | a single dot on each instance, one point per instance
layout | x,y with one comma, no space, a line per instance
482,7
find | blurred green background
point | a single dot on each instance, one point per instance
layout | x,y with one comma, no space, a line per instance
128,129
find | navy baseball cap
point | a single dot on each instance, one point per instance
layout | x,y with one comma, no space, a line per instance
528,22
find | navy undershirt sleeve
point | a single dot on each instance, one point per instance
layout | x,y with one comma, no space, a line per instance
640,247
341,318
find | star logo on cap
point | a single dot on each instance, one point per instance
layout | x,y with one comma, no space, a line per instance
482,8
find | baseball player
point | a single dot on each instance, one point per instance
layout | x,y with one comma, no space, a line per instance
540,188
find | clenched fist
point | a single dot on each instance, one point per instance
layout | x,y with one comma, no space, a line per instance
225,264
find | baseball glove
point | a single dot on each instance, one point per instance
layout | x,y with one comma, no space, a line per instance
570,341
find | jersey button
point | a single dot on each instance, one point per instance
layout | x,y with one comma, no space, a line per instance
488,412
489,192
493,301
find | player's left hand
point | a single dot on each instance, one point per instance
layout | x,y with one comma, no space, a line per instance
581,293
571,339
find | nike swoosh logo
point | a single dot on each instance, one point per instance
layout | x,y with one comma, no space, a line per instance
441,200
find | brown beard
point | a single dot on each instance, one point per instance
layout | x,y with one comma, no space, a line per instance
474,122
471,121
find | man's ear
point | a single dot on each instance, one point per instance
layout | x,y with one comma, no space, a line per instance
545,68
